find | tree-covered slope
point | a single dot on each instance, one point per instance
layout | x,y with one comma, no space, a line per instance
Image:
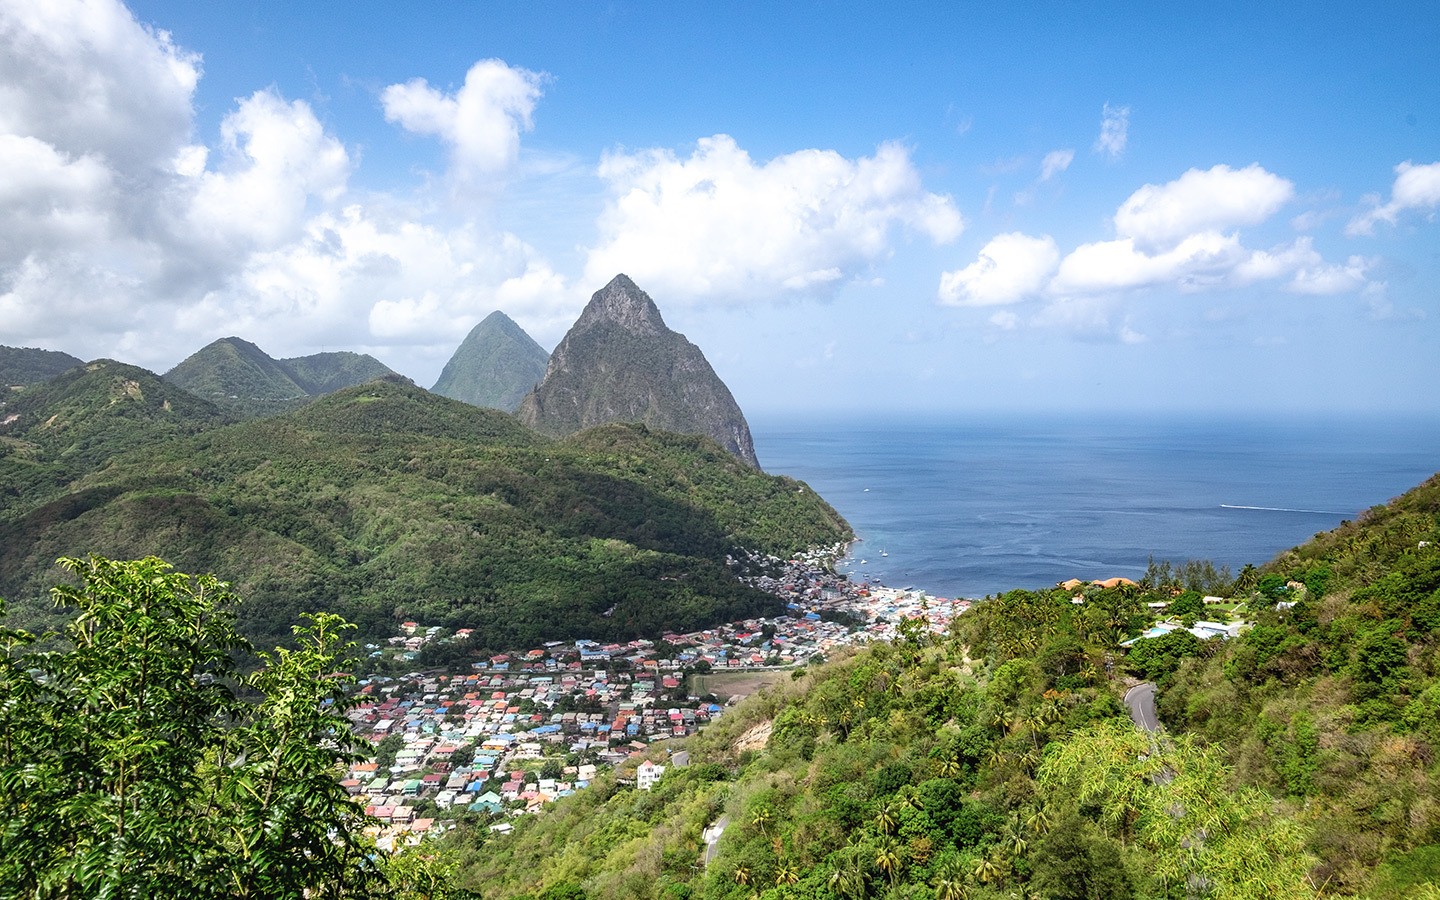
323,373
1333,699
496,365
243,379
1301,759
384,501
61,429
21,366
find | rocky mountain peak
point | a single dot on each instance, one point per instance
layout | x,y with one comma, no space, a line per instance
621,302
619,363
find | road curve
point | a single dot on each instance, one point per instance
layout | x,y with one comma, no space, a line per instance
712,837
1140,700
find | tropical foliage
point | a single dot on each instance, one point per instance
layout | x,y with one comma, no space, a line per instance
385,502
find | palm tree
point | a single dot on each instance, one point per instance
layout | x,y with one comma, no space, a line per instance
910,797
1012,837
1038,821
885,818
761,818
986,870
949,882
742,875
887,858
787,873
948,766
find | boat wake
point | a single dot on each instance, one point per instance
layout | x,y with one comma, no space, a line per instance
1315,512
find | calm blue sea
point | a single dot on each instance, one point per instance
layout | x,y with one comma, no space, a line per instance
967,506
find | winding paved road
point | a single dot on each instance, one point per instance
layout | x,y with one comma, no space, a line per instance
712,837
1141,702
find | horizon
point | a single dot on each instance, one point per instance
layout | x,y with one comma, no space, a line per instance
936,211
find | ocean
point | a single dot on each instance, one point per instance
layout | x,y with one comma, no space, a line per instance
966,506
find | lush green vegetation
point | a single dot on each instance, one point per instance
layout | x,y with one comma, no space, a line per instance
244,380
385,502
136,762
1300,758
20,366
496,365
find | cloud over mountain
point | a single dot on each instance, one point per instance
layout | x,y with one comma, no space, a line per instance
719,225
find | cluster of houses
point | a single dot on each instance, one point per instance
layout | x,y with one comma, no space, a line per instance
522,728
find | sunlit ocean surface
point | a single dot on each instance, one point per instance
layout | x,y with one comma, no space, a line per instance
967,507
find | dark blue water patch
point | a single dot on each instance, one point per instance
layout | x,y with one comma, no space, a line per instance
969,507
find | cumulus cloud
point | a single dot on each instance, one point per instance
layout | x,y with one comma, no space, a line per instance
87,79
1010,268
378,278
1415,188
277,156
1055,162
719,225
1114,131
1199,261
1214,199
108,194
1182,235
481,122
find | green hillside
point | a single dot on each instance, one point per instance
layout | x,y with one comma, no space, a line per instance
21,366
496,365
244,380
1300,759
385,502
60,430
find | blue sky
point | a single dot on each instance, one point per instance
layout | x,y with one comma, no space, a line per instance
929,206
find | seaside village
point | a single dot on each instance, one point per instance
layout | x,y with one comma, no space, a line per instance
521,729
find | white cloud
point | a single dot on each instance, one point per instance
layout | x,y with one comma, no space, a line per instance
1010,268
718,225
50,198
1182,235
1114,131
379,278
1415,187
120,226
1218,198
87,79
277,156
1055,162
481,122
1197,262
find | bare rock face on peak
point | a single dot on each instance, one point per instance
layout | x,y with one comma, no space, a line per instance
620,363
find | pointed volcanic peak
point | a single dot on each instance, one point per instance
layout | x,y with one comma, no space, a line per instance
495,366
21,366
620,363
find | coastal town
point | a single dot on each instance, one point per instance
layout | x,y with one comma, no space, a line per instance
523,728
520,729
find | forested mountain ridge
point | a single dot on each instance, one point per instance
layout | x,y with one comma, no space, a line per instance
1300,760
620,363
496,365
21,366
240,377
59,430
384,500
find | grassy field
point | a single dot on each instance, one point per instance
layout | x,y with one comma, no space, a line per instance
734,684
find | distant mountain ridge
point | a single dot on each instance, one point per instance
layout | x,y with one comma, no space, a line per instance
620,363
238,376
496,365
384,501
21,366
